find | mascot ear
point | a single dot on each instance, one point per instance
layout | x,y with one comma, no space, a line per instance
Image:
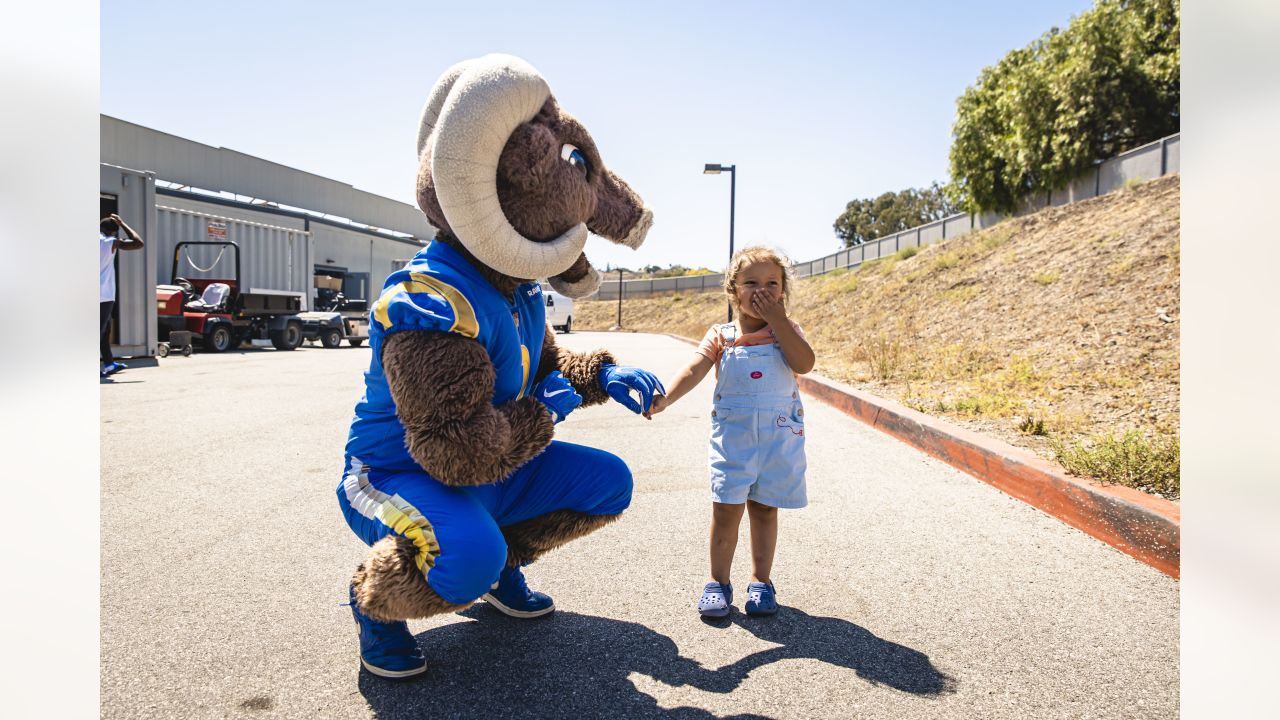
578,281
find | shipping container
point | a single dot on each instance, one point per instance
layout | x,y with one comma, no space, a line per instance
131,194
361,259
274,259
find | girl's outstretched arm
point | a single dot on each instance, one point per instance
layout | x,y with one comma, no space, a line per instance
684,381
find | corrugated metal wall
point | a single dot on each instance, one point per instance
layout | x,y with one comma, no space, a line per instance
134,192
354,251
272,257
240,211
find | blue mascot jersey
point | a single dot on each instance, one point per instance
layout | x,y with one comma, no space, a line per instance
439,291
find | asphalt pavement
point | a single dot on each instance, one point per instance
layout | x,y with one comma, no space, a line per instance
909,589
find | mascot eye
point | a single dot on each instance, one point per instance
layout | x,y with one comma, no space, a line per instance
574,157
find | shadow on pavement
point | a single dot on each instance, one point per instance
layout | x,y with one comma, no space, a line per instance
571,665
842,643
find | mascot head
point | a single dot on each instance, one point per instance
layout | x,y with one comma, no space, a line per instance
516,180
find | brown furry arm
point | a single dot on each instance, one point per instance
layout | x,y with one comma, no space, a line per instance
582,370
443,388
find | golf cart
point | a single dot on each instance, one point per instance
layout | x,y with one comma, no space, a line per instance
220,313
335,319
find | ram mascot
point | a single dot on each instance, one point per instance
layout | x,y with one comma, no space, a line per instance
452,476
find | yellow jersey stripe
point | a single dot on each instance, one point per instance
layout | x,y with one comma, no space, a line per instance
396,513
524,364
380,307
464,316
404,519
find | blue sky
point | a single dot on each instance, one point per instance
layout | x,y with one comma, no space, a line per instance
817,103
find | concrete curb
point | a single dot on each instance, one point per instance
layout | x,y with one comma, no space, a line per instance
1143,526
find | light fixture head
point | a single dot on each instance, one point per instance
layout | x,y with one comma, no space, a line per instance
711,169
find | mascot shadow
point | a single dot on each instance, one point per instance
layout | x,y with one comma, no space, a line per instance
575,665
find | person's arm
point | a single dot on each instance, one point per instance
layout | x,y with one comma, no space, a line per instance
684,381
133,242
795,349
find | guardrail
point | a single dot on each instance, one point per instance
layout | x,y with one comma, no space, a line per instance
1150,161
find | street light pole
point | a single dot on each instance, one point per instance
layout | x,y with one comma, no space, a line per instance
619,298
710,169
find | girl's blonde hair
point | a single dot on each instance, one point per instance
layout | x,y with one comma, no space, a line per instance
754,254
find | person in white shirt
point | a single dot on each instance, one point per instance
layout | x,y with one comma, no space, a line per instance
109,241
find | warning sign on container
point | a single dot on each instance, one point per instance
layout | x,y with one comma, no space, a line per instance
217,230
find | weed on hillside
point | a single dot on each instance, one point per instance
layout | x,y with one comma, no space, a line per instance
1131,459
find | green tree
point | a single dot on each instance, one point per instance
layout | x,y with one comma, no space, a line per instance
674,270
867,219
1046,113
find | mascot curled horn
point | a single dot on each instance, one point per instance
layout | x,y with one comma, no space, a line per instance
452,476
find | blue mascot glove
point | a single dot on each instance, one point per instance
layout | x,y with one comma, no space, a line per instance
620,380
558,395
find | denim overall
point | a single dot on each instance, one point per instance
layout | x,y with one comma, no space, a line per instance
757,428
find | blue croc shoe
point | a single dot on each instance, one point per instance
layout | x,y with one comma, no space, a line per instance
113,368
512,596
387,649
761,600
715,600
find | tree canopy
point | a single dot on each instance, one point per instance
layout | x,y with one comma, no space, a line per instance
674,270
1046,113
891,212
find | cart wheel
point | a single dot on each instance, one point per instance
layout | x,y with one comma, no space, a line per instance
162,350
331,338
218,339
287,339
356,342
186,351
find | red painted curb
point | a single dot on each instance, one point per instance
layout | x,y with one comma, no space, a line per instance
1143,526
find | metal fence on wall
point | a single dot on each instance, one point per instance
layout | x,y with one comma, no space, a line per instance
659,286
1150,161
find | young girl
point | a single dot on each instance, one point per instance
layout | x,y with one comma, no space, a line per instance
757,423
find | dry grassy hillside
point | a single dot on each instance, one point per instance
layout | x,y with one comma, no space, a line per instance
1056,331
